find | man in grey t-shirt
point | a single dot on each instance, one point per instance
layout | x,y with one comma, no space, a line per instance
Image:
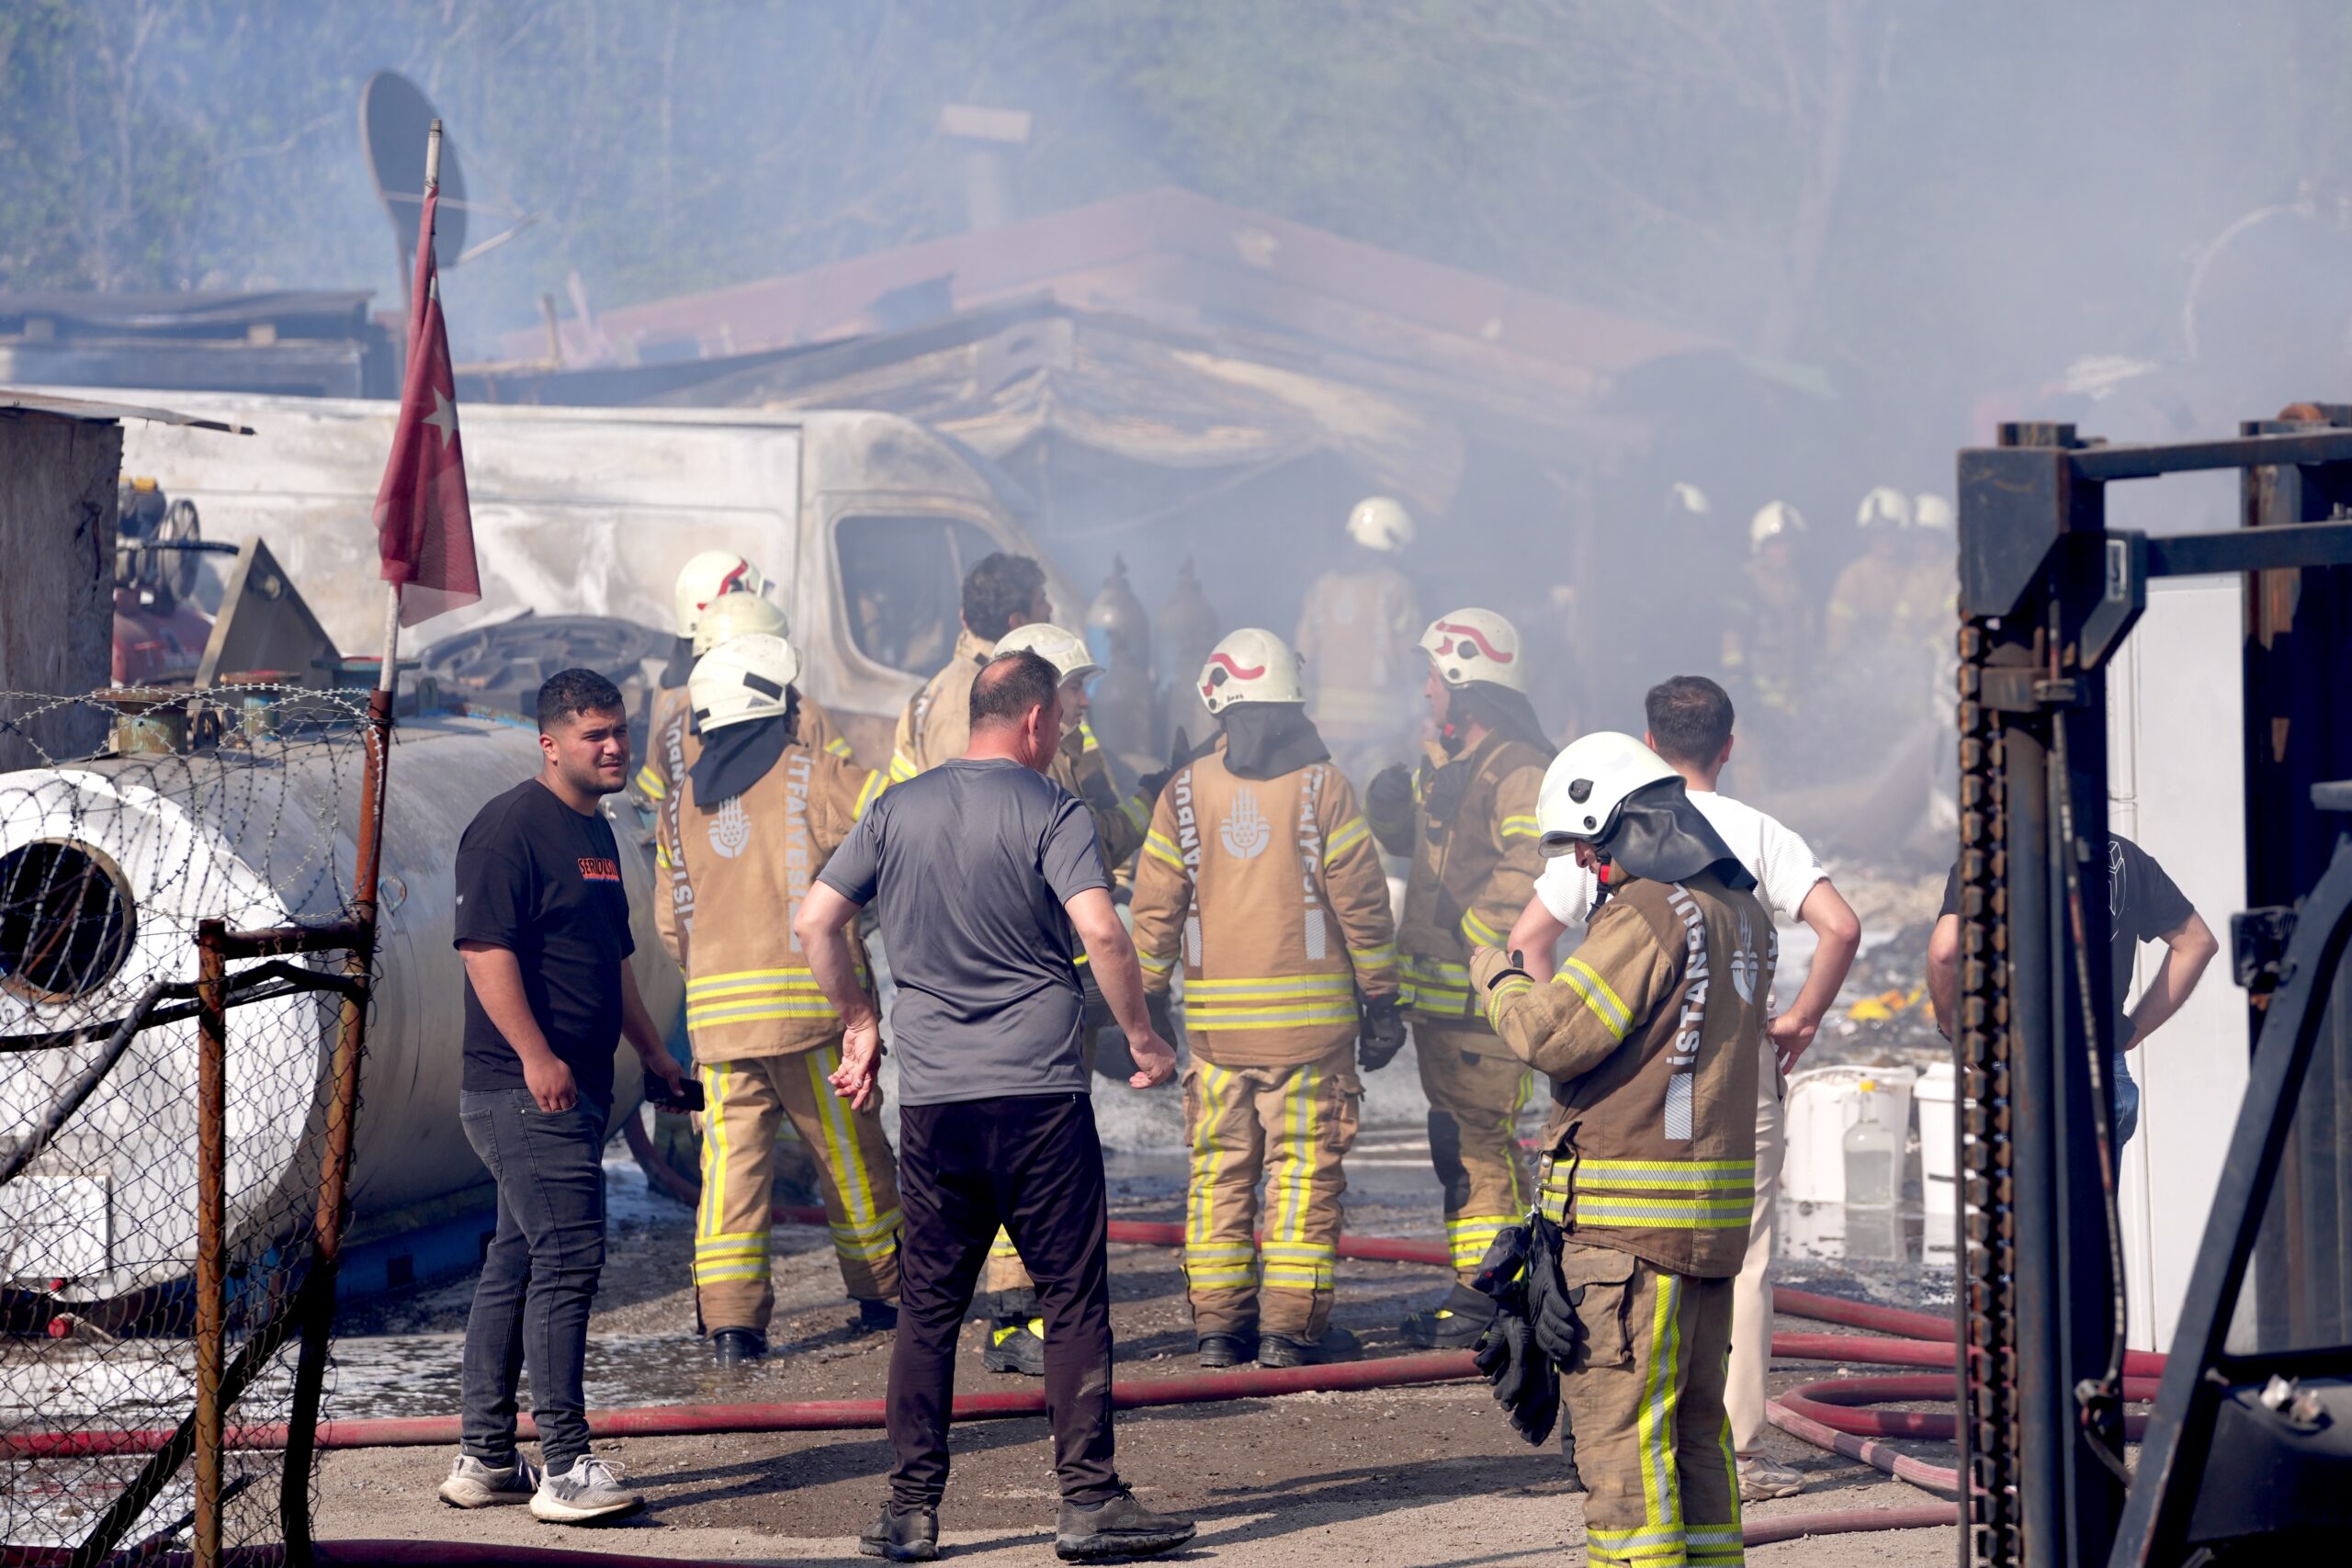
988,875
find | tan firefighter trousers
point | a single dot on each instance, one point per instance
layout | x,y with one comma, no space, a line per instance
1289,1127
1477,1089
745,1101
1646,1402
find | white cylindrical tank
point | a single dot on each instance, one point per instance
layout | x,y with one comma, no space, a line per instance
258,839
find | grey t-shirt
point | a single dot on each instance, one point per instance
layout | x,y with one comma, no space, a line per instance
973,861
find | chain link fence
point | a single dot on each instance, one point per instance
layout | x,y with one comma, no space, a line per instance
183,968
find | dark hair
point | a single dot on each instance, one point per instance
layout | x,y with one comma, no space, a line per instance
1000,588
1690,719
568,691
1010,685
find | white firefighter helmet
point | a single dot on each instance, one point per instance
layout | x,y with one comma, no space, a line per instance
1586,784
1475,644
733,615
1065,650
1775,520
1683,498
1252,665
1381,523
1929,510
1885,506
705,578
742,679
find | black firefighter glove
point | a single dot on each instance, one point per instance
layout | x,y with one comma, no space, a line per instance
1380,1033
1550,1305
1388,803
1518,1372
1181,752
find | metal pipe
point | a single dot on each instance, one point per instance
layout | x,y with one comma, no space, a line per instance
211,1226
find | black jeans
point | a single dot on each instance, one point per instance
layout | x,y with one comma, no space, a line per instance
1034,1165
539,1276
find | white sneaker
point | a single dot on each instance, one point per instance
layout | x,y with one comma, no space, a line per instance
1761,1479
590,1490
473,1485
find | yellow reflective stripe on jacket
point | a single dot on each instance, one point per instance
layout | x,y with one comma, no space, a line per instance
1716,1175
1137,810
1155,965
1521,826
868,793
662,857
1162,847
649,784
1604,1004
1434,986
1477,932
1373,957
753,995
1665,1213
1504,991
902,767
840,748
1205,1015
1086,737
1345,836
1270,986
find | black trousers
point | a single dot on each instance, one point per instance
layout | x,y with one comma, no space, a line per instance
1034,1165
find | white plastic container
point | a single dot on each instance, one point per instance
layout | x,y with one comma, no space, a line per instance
1938,1094
1822,1103
1874,1154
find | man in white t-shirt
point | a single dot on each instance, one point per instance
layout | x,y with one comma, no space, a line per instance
1690,725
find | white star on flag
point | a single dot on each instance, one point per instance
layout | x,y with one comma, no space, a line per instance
444,417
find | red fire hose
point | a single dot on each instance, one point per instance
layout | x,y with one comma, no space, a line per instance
1820,1413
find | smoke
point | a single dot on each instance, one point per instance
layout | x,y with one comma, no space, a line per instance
1894,221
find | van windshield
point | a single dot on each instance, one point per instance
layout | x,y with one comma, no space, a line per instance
902,585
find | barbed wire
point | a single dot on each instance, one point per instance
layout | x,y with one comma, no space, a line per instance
128,817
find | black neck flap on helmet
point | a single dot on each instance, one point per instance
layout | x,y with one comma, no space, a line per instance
1265,740
1661,835
736,758
1507,713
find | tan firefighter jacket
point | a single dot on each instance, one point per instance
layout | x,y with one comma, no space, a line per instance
671,748
1079,765
1270,892
1650,1034
737,871
1475,865
1358,633
936,724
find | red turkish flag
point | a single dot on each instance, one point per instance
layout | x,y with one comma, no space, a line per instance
424,529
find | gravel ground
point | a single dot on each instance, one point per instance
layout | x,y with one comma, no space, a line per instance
1415,1476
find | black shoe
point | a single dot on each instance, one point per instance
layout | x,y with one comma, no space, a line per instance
733,1346
1288,1350
1119,1527
1454,1324
1227,1350
1016,1345
910,1536
875,1318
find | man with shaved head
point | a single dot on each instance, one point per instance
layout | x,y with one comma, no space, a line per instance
989,873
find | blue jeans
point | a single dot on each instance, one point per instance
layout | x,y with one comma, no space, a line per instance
2127,1102
538,1275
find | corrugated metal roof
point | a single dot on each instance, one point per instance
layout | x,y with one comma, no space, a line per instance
90,409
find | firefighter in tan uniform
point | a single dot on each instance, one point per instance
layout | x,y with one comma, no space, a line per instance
1355,636
1016,1336
1772,632
729,593
754,819
1467,823
1000,594
1866,607
1261,882
1650,1035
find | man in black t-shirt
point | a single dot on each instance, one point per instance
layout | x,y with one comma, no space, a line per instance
543,923
2143,905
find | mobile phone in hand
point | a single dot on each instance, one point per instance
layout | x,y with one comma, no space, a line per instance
658,1095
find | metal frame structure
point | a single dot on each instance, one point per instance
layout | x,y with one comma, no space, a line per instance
2047,594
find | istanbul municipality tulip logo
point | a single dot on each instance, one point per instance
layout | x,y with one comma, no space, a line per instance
730,828
1245,830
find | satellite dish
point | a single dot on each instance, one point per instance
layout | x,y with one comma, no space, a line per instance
393,119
